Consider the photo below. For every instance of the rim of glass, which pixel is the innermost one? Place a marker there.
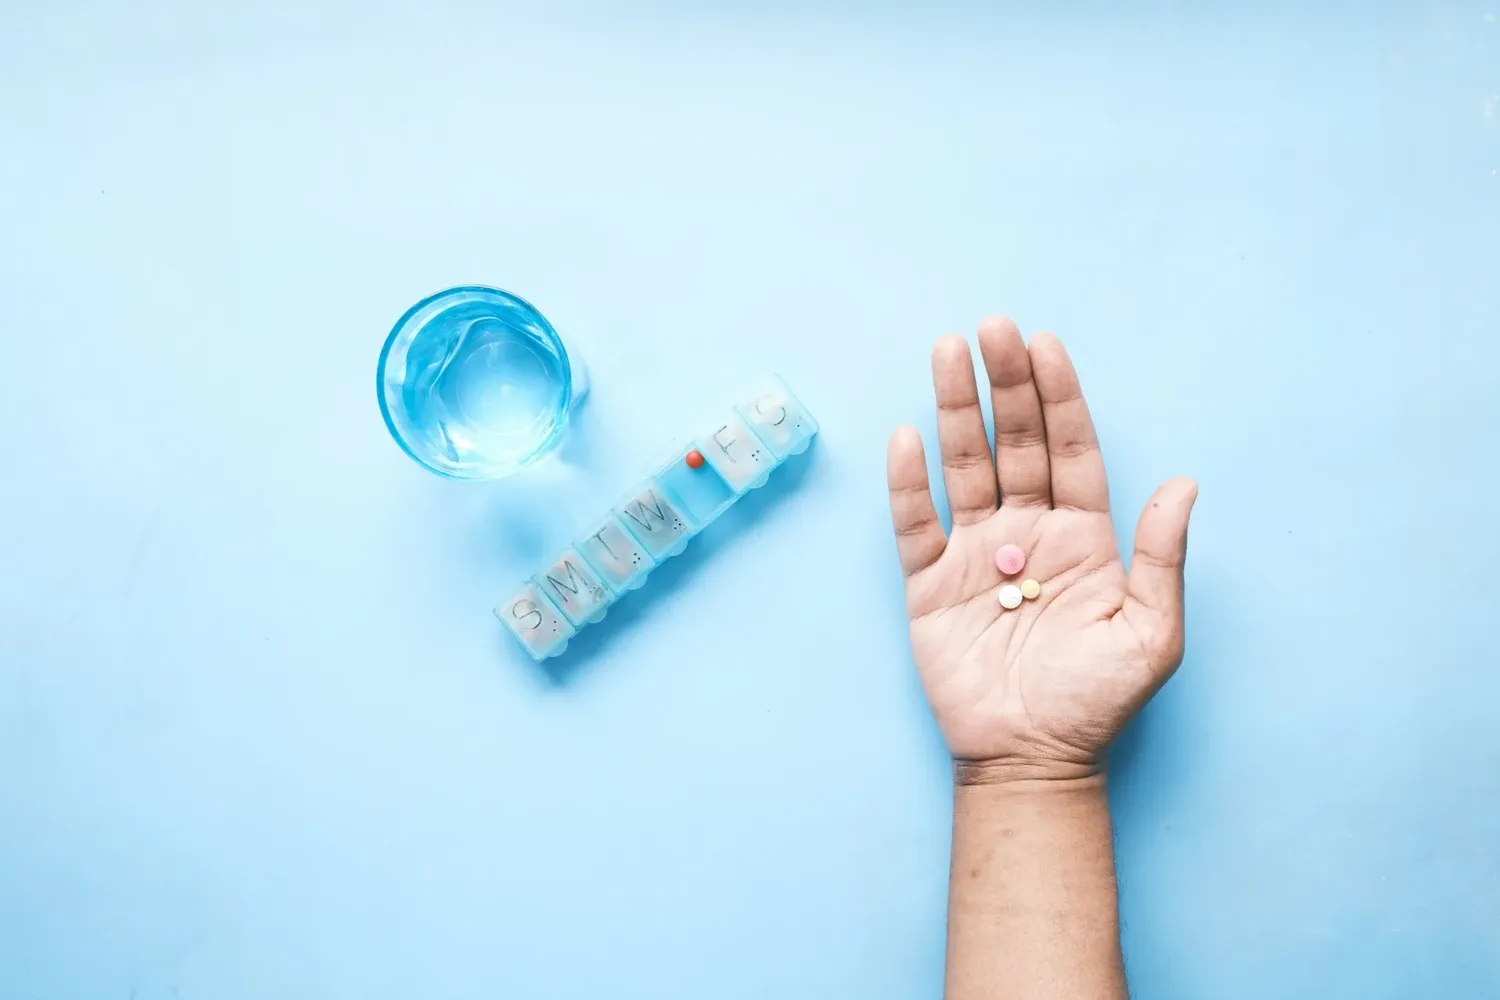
(409, 319)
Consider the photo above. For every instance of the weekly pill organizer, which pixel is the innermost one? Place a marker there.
(654, 521)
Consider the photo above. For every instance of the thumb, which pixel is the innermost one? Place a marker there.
(1153, 593)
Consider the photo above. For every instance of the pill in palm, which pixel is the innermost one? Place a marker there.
(1010, 596)
(1010, 559)
(1030, 589)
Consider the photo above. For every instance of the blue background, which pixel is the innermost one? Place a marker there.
(259, 733)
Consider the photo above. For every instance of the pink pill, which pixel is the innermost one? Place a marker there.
(1010, 559)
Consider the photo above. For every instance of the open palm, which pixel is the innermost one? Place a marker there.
(1040, 690)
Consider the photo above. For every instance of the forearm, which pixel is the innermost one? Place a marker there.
(1032, 908)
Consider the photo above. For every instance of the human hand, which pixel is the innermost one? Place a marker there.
(1039, 691)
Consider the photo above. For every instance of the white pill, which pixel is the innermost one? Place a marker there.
(1010, 596)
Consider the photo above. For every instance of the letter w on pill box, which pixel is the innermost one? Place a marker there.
(654, 521)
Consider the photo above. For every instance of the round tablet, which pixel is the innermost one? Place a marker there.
(1010, 559)
(1010, 596)
(1030, 589)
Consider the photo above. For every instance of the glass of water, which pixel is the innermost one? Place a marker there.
(475, 384)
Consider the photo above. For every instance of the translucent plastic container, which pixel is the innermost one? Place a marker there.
(696, 482)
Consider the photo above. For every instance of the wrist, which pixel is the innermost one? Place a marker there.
(1019, 772)
(1031, 798)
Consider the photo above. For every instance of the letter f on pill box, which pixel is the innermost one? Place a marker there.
(736, 452)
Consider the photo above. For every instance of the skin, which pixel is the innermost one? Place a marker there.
(1029, 700)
